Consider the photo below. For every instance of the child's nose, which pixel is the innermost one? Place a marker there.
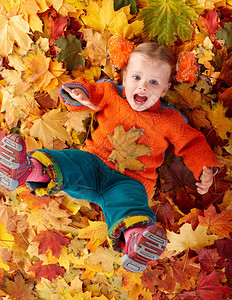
(143, 86)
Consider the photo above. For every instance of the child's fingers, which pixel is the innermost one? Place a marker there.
(68, 90)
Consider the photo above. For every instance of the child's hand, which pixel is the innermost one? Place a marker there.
(206, 181)
(81, 97)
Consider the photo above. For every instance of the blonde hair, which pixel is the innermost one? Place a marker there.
(154, 51)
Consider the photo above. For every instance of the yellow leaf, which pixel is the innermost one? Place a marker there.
(77, 4)
(13, 30)
(101, 17)
(35, 23)
(189, 239)
(91, 74)
(122, 27)
(6, 239)
(106, 257)
(50, 127)
(42, 5)
(126, 151)
(75, 120)
(3, 265)
(96, 232)
(217, 117)
(39, 71)
(208, 4)
(227, 201)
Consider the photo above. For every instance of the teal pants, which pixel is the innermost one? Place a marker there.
(85, 176)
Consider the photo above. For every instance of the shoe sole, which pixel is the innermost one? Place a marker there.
(146, 249)
(8, 161)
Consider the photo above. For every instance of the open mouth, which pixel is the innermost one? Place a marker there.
(140, 99)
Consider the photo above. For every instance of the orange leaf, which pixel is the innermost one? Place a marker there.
(33, 201)
(192, 218)
(51, 239)
(219, 224)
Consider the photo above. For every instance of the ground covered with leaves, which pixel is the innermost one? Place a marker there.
(57, 248)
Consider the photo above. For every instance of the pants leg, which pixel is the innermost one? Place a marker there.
(123, 200)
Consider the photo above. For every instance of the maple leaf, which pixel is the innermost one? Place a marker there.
(126, 150)
(209, 287)
(96, 48)
(19, 288)
(176, 175)
(51, 239)
(13, 30)
(57, 27)
(166, 18)
(211, 21)
(184, 270)
(50, 271)
(6, 239)
(219, 121)
(38, 71)
(220, 224)
(106, 257)
(225, 34)
(70, 52)
(184, 97)
(49, 127)
(189, 239)
(192, 218)
(96, 232)
(207, 258)
(76, 120)
(164, 212)
(103, 16)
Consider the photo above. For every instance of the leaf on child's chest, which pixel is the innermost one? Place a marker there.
(125, 149)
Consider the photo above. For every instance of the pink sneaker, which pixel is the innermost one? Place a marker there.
(144, 245)
(14, 163)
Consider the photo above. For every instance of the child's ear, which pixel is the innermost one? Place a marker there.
(123, 77)
(166, 89)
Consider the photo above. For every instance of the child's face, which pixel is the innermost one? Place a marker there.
(145, 81)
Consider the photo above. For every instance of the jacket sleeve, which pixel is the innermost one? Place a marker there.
(94, 91)
(191, 144)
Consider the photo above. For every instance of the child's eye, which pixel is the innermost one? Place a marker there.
(153, 82)
(136, 77)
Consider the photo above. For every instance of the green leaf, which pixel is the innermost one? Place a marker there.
(121, 3)
(166, 18)
(70, 52)
(225, 34)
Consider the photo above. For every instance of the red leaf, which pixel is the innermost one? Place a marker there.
(224, 248)
(57, 27)
(51, 239)
(164, 212)
(49, 272)
(209, 287)
(211, 21)
(207, 259)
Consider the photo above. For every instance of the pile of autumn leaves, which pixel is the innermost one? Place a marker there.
(57, 248)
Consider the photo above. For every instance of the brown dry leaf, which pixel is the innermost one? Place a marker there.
(126, 150)
(96, 48)
(20, 288)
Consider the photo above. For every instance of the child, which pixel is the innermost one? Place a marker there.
(90, 175)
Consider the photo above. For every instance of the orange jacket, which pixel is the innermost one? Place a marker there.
(160, 126)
